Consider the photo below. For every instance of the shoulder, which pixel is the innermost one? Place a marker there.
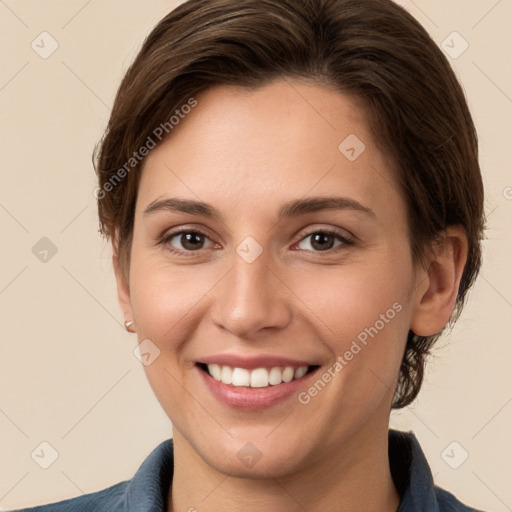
(110, 499)
(146, 490)
(449, 503)
(413, 478)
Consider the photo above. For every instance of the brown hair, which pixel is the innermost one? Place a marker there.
(371, 49)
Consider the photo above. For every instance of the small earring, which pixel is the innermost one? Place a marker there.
(129, 326)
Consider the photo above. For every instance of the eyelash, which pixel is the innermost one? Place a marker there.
(168, 237)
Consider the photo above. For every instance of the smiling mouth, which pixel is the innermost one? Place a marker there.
(257, 378)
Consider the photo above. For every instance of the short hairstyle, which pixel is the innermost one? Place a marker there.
(372, 50)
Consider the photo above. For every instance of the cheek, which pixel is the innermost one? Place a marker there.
(342, 302)
(362, 313)
(167, 305)
(349, 298)
(164, 296)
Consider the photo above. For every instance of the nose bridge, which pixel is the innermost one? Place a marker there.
(251, 296)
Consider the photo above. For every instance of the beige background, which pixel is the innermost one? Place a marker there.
(67, 372)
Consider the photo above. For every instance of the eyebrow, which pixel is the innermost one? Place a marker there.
(293, 208)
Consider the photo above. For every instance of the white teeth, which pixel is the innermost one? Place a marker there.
(287, 374)
(241, 377)
(226, 375)
(258, 378)
(215, 371)
(274, 376)
(300, 372)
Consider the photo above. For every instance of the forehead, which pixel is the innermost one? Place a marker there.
(286, 138)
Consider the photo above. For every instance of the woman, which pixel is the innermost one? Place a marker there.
(294, 199)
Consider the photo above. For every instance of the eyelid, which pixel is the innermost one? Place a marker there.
(176, 230)
(310, 230)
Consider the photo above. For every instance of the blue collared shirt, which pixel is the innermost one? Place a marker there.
(147, 491)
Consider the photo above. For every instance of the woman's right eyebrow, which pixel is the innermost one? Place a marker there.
(191, 206)
(292, 208)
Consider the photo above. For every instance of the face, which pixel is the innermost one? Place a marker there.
(297, 256)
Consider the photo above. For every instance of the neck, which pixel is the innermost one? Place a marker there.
(353, 477)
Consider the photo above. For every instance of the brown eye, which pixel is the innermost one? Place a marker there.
(181, 242)
(190, 241)
(323, 240)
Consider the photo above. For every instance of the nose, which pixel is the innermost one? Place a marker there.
(251, 297)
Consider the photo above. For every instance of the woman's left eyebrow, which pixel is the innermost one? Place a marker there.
(315, 204)
(290, 209)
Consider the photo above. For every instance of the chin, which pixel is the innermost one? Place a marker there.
(260, 459)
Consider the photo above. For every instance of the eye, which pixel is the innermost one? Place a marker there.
(323, 240)
(185, 241)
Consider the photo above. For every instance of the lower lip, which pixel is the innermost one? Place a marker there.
(243, 397)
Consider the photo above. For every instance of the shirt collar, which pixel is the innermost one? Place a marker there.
(411, 473)
(149, 487)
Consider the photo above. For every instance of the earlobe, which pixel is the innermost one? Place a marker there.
(123, 292)
(130, 326)
(438, 284)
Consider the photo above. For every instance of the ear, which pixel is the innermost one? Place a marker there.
(437, 285)
(123, 289)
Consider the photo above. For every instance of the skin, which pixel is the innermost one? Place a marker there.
(246, 153)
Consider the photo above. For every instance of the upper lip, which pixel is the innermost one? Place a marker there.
(251, 363)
